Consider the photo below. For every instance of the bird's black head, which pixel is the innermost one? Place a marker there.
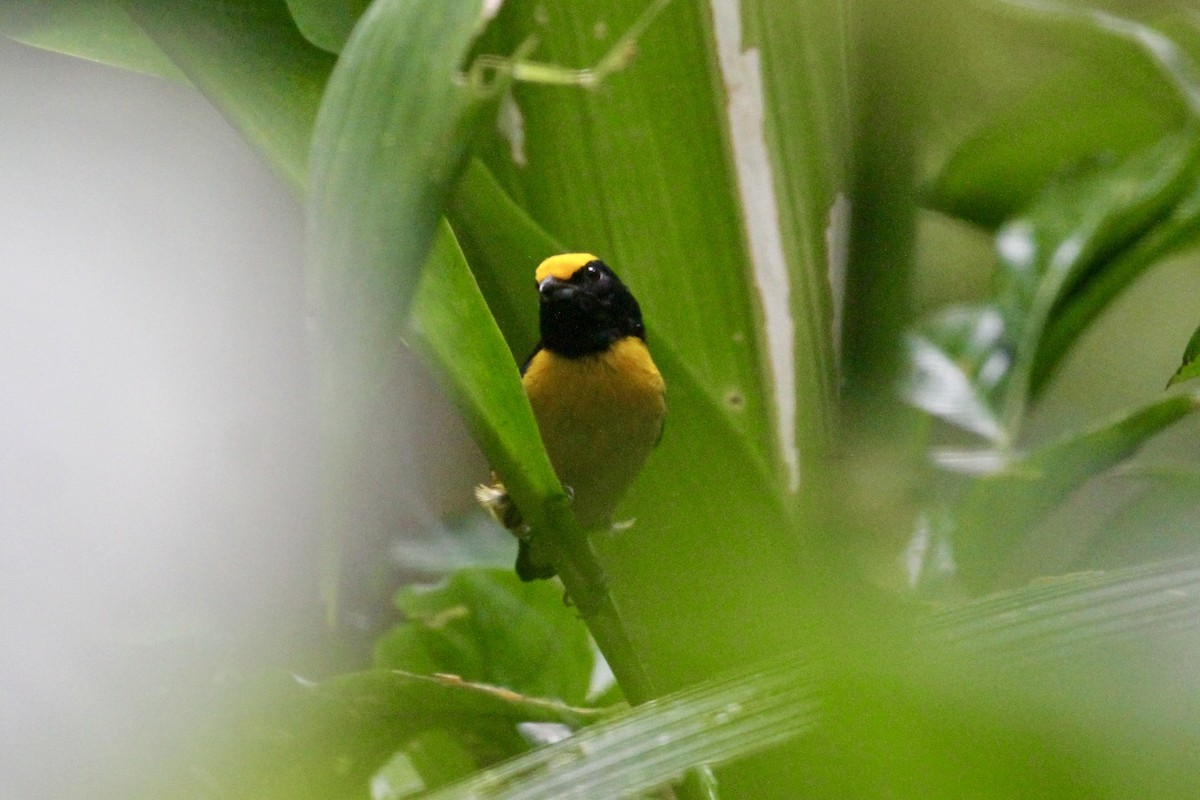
(584, 306)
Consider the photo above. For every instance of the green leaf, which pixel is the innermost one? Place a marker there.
(1004, 506)
(1190, 368)
(1055, 619)
(327, 23)
(713, 723)
(430, 759)
(1079, 114)
(1073, 116)
(1072, 230)
(392, 135)
(252, 64)
(285, 737)
(1155, 521)
(487, 626)
(1074, 312)
(454, 331)
(99, 31)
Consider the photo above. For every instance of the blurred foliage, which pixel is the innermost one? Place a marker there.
(799, 600)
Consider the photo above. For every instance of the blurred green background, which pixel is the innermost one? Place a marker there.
(819, 607)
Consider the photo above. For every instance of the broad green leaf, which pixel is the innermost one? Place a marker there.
(489, 627)
(290, 738)
(1069, 234)
(1004, 506)
(714, 519)
(1077, 115)
(1055, 618)
(252, 64)
(799, 52)
(503, 246)
(100, 31)
(1074, 312)
(1190, 368)
(715, 722)
(327, 23)
(996, 172)
(392, 134)
(1157, 519)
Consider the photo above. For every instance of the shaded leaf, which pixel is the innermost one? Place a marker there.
(455, 332)
(1054, 619)
(638, 173)
(100, 31)
(454, 543)
(1076, 310)
(285, 737)
(327, 23)
(1154, 517)
(252, 64)
(1073, 229)
(1190, 368)
(452, 327)
(1077, 115)
(998, 170)
(1003, 507)
(489, 627)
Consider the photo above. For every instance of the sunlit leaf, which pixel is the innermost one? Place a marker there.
(489, 627)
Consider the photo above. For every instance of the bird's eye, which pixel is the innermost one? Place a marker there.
(592, 272)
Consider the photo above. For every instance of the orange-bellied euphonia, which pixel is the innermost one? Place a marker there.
(598, 398)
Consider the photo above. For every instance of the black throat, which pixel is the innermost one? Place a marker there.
(585, 315)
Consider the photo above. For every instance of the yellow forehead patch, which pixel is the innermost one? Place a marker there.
(562, 266)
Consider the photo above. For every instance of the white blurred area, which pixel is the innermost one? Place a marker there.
(157, 480)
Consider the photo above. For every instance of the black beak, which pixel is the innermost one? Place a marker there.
(552, 288)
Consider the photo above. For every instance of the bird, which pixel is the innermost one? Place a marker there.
(596, 393)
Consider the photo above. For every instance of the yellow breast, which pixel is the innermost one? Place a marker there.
(600, 416)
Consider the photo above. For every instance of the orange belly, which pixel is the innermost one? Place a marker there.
(600, 416)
